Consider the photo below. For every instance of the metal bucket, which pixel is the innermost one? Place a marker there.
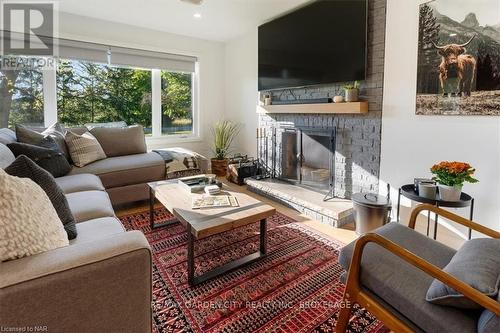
(371, 211)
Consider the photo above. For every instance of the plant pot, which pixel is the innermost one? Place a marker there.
(219, 167)
(450, 193)
(351, 95)
(427, 191)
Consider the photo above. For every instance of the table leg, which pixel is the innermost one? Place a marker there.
(263, 236)
(471, 216)
(230, 266)
(190, 254)
(151, 208)
(436, 223)
(399, 202)
(428, 222)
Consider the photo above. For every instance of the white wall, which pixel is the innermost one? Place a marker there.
(241, 89)
(412, 144)
(210, 55)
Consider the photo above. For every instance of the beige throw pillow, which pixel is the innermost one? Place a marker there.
(84, 149)
(28, 222)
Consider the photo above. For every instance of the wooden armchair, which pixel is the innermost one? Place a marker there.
(355, 293)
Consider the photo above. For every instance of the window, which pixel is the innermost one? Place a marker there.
(89, 92)
(21, 97)
(177, 103)
(95, 83)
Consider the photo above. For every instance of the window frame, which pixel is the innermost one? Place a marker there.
(51, 114)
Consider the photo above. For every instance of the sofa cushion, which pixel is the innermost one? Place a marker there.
(126, 170)
(6, 156)
(96, 229)
(24, 167)
(84, 149)
(28, 222)
(49, 159)
(79, 183)
(475, 263)
(121, 141)
(403, 285)
(7, 136)
(90, 205)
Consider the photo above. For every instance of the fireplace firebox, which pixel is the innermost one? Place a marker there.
(306, 157)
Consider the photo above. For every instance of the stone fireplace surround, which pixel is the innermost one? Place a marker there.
(358, 137)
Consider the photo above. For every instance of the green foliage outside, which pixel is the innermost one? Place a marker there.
(90, 92)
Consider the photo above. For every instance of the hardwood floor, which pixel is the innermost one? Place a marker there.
(344, 235)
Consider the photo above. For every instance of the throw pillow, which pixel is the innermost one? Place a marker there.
(6, 156)
(49, 159)
(476, 263)
(120, 141)
(488, 321)
(23, 167)
(28, 221)
(56, 132)
(84, 149)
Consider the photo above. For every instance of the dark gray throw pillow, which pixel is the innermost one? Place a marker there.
(24, 167)
(476, 263)
(49, 159)
(56, 132)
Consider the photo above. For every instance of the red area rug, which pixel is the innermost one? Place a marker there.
(295, 288)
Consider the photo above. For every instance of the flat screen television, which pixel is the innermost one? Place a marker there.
(323, 42)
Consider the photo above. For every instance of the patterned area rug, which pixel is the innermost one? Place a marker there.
(295, 288)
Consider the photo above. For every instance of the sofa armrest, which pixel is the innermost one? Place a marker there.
(99, 286)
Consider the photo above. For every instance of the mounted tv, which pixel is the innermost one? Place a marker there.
(323, 42)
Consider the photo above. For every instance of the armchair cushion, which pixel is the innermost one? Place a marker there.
(489, 322)
(404, 286)
(477, 264)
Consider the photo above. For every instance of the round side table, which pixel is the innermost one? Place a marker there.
(408, 191)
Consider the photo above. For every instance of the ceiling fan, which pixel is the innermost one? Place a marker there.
(194, 2)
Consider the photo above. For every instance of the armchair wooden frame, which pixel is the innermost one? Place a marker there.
(355, 294)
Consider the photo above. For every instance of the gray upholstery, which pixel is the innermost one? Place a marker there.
(6, 156)
(489, 322)
(121, 141)
(80, 183)
(476, 263)
(90, 205)
(405, 286)
(96, 229)
(7, 136)
(126, 170)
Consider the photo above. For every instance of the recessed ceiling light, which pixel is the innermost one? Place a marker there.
(197, 15)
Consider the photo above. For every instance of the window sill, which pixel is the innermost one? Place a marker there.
(171, 139)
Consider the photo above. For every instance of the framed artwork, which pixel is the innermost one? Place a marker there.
(458, 71)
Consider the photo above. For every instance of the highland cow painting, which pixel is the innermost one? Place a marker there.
(459, 58)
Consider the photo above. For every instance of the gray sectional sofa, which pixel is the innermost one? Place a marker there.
(103, 266)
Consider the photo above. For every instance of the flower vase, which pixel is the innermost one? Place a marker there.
(450, 193)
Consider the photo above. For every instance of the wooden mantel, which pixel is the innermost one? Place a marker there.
(325, 108)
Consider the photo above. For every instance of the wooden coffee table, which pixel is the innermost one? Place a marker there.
(201, 223)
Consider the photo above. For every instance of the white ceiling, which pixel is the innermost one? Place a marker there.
(221, 20)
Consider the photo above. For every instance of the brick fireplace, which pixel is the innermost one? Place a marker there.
(356, 158)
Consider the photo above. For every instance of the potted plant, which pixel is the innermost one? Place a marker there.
(351, 91)
(224, 133)
(450, 177)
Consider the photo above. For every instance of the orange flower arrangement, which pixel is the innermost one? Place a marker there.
(453, 173)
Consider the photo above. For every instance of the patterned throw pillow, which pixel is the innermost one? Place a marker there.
(56, 132)
(24, 167)
(28, 221)
(84, 149)
(50, 159)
